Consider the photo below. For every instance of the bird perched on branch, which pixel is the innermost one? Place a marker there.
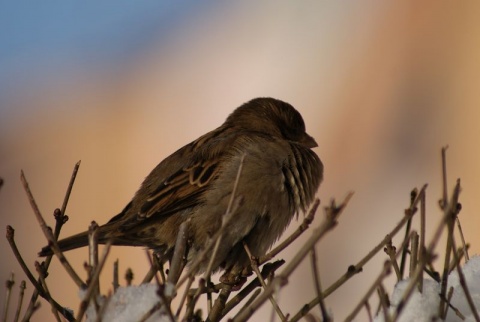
(279, 177)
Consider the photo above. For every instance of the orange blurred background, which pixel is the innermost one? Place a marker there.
(382, 86)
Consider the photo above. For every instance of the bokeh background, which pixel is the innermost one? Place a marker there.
(120, 85)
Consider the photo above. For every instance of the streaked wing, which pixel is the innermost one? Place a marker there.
(182, 189)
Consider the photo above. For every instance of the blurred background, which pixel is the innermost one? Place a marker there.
(120, 85)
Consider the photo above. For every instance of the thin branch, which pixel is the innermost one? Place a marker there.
(248, 302)
(38, 287)
(369, 311)
(69, 191)
(463, 283)
(23, 286)
(93, 281)
(387, 267)
(115, 282)
(447, 301)
(154, 268)
(267, 270)
(150, 312)
(178, 259)
(450, 211)
(357, 268)
(217, 309)
(11, 240)
(384, 273)
(414, 254)
(49, 235)
(32, 309)
(318, 286)
(383, 299)
(60, 220)
(192, 300)
(184, 297)
(428, 255)
(423, 224)
(93, 254)
(459, 257)
(392, 253)
(41, 273)
(413, 196)
(255, 268)
(8, 292)
(464, 244)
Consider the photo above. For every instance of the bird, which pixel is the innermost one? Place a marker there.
(264, 142)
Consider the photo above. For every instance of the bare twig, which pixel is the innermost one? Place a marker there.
(414, 254)
(253, 263)
(444, 176)
(423, 224)
(192, 300)
(20, 300)
(357, 268)
(249, 301)
(154, 268)
(32, 309)
(93, 254)
(392, 253)
(49, 235)
(41, 273)
(38, 287)
(179, 255)
(11, 240)
(219, 305)
(184, 296)
(60, 220)
(115, 282)
(369, 311)
(428, 255)
(267, 270)
(464, 244)
(383, 299)
(450, 211)
(413, 196)
(460, 254)
(69, 191)
(8, 292)
(447, 301)
(384, 273)
(318, 286)
(463, 283)
(93, 281)
(150, 312)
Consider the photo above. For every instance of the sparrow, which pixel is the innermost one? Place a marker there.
(280, 174)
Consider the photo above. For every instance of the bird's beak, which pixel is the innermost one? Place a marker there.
(308, 141)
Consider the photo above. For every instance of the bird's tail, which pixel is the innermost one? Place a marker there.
(72, 242)
(76, 241)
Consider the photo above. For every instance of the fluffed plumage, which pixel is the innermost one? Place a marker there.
(279, 179)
